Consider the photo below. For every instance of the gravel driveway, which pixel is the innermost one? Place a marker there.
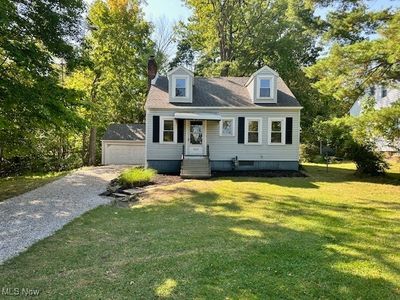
(30, 217)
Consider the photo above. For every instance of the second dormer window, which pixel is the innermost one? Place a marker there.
(180, 87)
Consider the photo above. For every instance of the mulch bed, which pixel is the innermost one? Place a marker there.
(260, 173)
(166, 179)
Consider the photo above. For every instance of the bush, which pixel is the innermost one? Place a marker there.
(135, 177)
(367, 160)
(341, 134)
(308, 152)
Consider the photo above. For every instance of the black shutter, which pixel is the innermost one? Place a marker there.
(289, 130)
(241, 130)
(180, 130)
(156, 129)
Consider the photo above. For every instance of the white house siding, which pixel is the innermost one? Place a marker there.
(393, 95)
(224, 148)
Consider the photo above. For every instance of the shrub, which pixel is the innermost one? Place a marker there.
(135, 177)
(341, 134)
(308, 152)
(367, 160)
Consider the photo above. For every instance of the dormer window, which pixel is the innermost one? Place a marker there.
(180, 87)
(264, 87)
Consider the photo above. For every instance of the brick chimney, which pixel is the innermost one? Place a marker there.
(151, 70)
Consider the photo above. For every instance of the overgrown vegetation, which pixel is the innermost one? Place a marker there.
(135, 177)
(341, 135)
(317, 237)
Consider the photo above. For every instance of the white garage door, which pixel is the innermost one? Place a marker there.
(123, 153)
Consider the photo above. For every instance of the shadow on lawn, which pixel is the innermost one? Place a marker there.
(317, 174)
(201, 245)
(261, 257)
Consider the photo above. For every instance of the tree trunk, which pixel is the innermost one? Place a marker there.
(84, 153)
(92, 146)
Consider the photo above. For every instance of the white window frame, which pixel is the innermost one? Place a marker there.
(162, 119)
(186, 78)
(283, 131)
(272, 86)
(246, 131)
(233, 127)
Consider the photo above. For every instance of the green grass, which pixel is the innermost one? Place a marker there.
(137, 176)
(14, 186)
(330, 236)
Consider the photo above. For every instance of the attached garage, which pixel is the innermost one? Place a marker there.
(124, 144)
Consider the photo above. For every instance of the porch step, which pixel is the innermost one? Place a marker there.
(196, 168)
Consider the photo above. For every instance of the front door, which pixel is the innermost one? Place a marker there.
(195, 137)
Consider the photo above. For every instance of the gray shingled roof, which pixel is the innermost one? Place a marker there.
(132, 132)
(217, 92)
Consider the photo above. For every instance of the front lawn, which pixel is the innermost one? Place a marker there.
(330, 235)
(14, 186)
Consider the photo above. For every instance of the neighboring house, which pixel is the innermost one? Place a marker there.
(196, 125)
(384, 97)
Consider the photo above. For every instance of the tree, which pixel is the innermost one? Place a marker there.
(33, 36)
(341, 134)
(184, 55)
(351, 68)
(236, 38)
(382, 124)
(112, 77)
(164, 40)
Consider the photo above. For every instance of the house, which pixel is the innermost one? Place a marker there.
(196, 125)
(384, 97)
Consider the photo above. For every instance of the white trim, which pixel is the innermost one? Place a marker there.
(283, 131)
(146, 140)
(102, 152)
(233, 127)
(271, 88)
(175, 131)
(265, 68)
(124, 141)
(225, 107)
(182, 98)
(246, 130)
(180, 68)
(198, 116)
(187, 136)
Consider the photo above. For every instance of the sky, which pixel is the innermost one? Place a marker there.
(174, 10)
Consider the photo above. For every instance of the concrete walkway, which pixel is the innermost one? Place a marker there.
(30, 217)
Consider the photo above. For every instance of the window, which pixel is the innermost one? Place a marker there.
(253, 131)
(180, 87)
(371, 91)
(168, 130)
(384, 92)
(276, 131)
(227, 127)
(265, 87)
